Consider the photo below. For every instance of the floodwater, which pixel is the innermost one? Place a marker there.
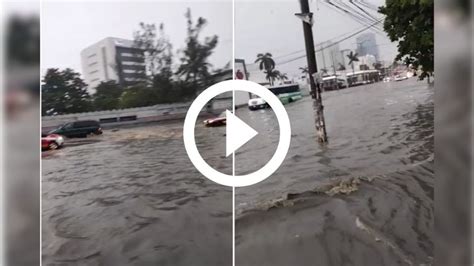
(365, 198)
(132, 197)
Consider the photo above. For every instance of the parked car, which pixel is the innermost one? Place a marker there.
(51, 141)
(78, 129)
(215, 122)
(257, 103)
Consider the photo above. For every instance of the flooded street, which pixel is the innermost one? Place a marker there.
(132, 196)
(365, 198)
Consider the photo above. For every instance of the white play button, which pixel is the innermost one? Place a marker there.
(237, 133)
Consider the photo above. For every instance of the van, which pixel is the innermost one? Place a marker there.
(78, 129)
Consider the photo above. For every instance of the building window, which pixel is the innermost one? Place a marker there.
(128, 63)
(92, 55)
(132, 55)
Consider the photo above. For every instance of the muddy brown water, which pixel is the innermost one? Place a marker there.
(381, 143)
(132, 197)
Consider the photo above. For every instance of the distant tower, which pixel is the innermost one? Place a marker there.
(367, 45)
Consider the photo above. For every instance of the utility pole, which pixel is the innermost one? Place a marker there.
(318, 108)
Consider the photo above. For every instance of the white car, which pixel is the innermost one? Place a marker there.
(387, 79)
(400, 78)
(257, 103)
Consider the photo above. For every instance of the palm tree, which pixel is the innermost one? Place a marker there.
(341, 67)
(282, 76)
(271, 75)
(324, 71)
(352, 58)
(265, 61)
(304, 70)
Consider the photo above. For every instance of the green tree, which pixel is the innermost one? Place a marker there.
(138, 96)
(64, 92)
(304, 70)
(353, 57)
(265, 61)
(341, 67)
(157, 49)
(411, 24)
(271, 75)
(107, 96)
(195, 67)
(283, 76)
(159, 58)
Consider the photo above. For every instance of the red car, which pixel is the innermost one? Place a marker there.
(215, 122)
(51, 142)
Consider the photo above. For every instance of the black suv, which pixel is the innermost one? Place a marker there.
(78, 129)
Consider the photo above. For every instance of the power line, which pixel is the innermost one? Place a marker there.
(368, 5)
(332, 44)
(331, 39)
(363, 10)
(361, 20)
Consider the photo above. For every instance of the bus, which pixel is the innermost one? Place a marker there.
(333, 83)
(287, 93)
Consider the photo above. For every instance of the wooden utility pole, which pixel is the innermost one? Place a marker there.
(318, 108)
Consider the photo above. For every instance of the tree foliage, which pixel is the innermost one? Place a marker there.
(138, 96)
(157, 47)
(353, 57)
(64, 92)
(107, 96)
(410, 22)
(265, 61)
(304, 70)
(283, 76)
(194, 66)
(341, 67)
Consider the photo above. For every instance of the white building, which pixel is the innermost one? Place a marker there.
(113, 59)
(368, 60)
(328, 56)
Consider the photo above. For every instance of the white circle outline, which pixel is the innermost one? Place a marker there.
(239, 180)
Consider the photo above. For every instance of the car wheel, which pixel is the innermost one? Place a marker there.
(53, 146)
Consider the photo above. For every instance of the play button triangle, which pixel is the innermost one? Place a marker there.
(237, 133)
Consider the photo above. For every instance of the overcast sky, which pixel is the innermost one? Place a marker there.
(260, 26)
(68, 27)
(264, 26)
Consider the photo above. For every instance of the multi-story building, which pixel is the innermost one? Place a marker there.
(113, 59)
(367, 45)
(328, 56)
